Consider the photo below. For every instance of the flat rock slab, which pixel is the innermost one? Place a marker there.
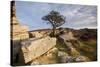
(36, 48)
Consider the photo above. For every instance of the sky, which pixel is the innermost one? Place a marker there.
(77, 16)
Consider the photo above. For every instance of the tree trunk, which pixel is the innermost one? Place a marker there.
(54, 28)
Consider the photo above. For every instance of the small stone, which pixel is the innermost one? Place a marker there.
(81, 59)
(35, 63)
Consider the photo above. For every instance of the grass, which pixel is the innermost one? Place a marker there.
(89, 49)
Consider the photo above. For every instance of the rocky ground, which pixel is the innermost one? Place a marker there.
(69, 48)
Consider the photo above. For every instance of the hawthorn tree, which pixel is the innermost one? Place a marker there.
(55, 19)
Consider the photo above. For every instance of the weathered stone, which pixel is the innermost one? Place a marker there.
(62, 56)
(35, 63)
(61, 53)
(69, 59)
(37, 48)
(36, 34)
(49, 57)
(52, 52)
(82, 59)
(18, 33)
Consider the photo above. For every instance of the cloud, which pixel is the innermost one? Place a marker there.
(30, 13)
(82, 16)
